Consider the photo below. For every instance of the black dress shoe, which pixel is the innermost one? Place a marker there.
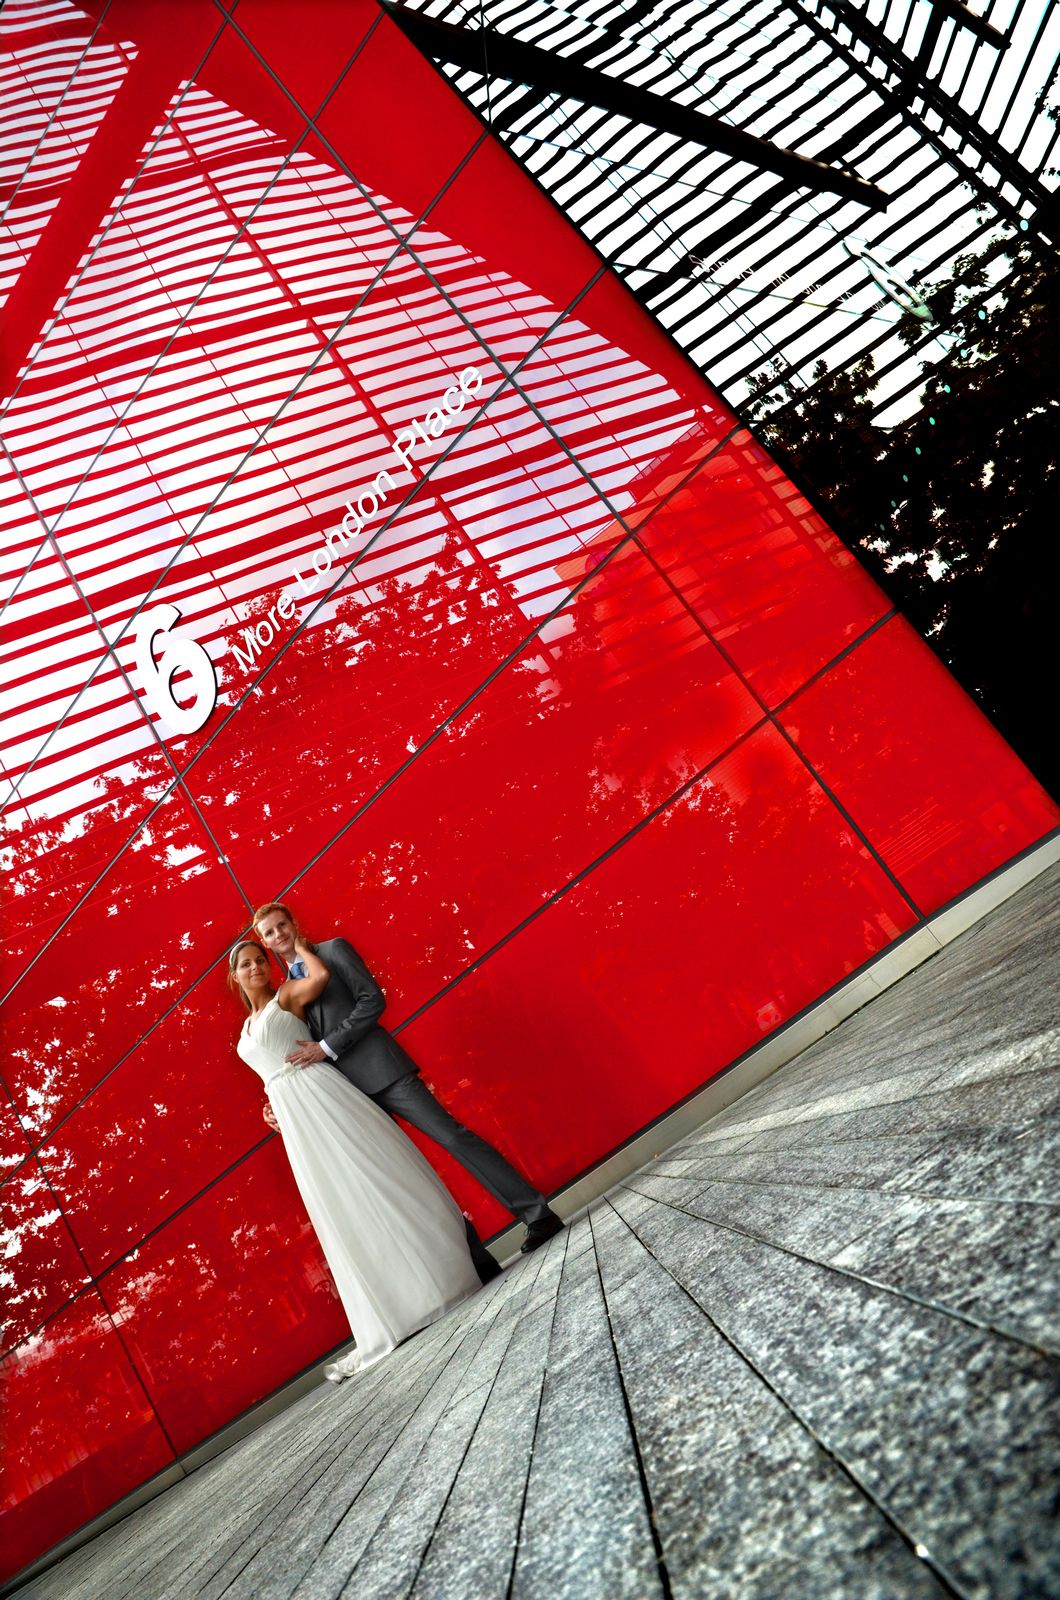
(488, 1270)
(537, 1233)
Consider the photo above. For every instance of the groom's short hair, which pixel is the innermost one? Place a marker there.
(275, 905)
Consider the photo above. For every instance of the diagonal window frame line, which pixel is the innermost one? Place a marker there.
(772, 715)
(588, 578)
(458, 711)
(181, 326)
(325, 351)
(565, 448)
(67, 87)
(296, 633)
(179, 786)
(675, 797)
(407, 237)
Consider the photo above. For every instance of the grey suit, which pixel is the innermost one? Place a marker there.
(345, 1017)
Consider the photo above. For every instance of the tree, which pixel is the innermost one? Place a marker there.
(954, 509)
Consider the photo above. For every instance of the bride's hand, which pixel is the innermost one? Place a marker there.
(270, 1117)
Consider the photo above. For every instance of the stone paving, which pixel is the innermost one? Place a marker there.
(810, 1352)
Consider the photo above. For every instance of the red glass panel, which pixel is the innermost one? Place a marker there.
(40, 1268)
(327, 36)
(245, 1258)
(63, 85)
(162, 913)
(396, 124)
(79, 1431)
(64, 706)
(14, 1146)
(936, 789)
(611, 311)
(708, 929)
(133, 106)
(445, 595)
(611, 391)
(556, 759)
(178, 1110)
(72, 795)
(772, 583)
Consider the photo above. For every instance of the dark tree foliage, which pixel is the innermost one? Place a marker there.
(970, 479)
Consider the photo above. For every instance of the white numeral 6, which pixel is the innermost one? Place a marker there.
(155, 631)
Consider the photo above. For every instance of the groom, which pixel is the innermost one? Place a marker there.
(344, 1022)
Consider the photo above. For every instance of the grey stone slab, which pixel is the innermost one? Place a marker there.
(983, 1103)
(1007, 1164)
(863, 1086)
(340, 1511)
(321, 1552)
(711, 1141)
(585, 1532)
(278, 1468)
(858, 1164)
(1001, 1264)
(286, 1475)
(998, 1264)
(362, 1418)
(952, 1430)
(746, 1502)
(818, 1222)
(472, 1548)
(388, 1563)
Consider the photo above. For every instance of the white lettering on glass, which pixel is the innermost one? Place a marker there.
(161, 653)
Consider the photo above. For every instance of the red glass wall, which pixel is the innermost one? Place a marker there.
(593, 738)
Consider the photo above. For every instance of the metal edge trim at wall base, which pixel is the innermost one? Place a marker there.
(888, 968)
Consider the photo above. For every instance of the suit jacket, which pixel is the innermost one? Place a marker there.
(345, 1016)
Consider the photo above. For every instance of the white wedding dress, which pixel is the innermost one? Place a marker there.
(392, 1234)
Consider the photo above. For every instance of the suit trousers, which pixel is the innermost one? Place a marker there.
(409, 1098)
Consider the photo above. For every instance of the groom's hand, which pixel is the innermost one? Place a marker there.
(303, 1055)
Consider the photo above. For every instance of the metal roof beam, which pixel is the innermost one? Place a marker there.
(510, 58)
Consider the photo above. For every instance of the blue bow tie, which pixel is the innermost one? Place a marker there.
(297, 969)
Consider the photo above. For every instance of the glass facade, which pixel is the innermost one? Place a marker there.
(536, 678)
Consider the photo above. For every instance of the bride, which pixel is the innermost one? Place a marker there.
(391, 1232)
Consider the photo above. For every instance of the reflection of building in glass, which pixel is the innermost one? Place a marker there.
(590, 734)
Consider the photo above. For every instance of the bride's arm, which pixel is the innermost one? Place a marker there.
(296, 993)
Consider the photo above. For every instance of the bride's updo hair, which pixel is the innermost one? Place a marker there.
(233, 956)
